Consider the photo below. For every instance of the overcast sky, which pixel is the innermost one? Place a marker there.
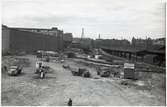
(110, 18)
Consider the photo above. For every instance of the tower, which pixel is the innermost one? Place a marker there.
(82, 34)
(99, 36)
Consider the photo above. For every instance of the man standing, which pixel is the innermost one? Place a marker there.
(70, 102)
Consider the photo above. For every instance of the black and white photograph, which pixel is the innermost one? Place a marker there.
(83, 53)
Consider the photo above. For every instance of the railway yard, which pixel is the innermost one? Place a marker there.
(60, 84)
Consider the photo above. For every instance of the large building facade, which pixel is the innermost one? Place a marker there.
(31, 39)
(148, 43)
(112, 43)
(5, 39)
(68, 38)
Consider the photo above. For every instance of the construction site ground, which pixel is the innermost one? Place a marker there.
(60, 85)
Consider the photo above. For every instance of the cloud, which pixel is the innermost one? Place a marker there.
(96, 16)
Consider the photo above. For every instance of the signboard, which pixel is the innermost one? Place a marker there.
(129, 65)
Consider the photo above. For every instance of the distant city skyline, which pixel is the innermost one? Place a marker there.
(110, 19)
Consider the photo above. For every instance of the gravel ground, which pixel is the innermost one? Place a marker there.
(59, 85)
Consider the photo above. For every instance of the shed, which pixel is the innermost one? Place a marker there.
(129, 71)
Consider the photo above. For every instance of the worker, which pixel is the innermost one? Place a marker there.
(70, 102)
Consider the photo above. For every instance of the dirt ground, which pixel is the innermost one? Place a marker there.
(59, 85)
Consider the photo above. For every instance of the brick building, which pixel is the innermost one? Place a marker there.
(112, 43)
(31, 39)
(68, 38)
(159, 41)
(141, 43)
(5, 39)
(148, 43)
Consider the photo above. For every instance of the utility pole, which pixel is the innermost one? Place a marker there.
(98, 45)
(146, 43)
